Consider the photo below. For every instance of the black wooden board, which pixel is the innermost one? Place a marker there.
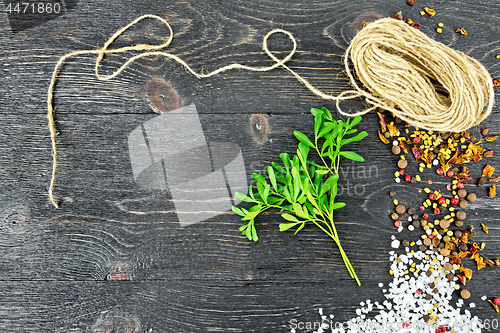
(113, 257)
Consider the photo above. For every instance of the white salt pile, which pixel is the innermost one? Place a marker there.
(418, 300)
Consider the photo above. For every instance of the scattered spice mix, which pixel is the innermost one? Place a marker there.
(448, 152)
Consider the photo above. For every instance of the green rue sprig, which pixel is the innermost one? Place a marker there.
(305, 191)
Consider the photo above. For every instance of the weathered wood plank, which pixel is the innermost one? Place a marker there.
(187, 306)
(205, 276)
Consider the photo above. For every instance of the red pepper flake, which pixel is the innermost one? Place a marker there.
(416, 139)
(496, 83)
(393, 130)
(460, 185)
(398, 224)
(430, 12)
(382, 138)
(399, 16)
(494, 305)
(432, 196)
(417, 26)
(462, 31)
(419, 291)
(416, 152)
(488, 153)
(490, 138)
(492, 192)
(462, 279)
(381, 118)
(488, 171)
(440, 171)
(454, 158)
(401, 172)
(425, 216)
(441, 201)
(411, 2)
(495, 180)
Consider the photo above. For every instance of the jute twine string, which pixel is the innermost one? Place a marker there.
(421, 81)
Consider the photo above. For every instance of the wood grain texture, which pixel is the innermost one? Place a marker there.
(114, 255)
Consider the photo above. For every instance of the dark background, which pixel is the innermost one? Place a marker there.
(59, 268)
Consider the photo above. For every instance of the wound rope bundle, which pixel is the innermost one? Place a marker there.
(421, 81)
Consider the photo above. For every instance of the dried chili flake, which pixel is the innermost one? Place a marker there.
(399, 16)
(403, 147)
(492, 192)
(485, 228)
(430, 12)
(468, 273)
(381, 118)
(480, 263)
(496, 83)
(382, 138)
(393, 130)
(488, 171)
(462, 31)
(491, 138)
(488, 153)
(416, 152)
(485, 131)
(494, 305)
(489, 262)
(476, 157)
(462, 279)
(454, 157)
(495, 180)
(411, 2)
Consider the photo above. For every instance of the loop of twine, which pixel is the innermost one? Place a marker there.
(420, 80)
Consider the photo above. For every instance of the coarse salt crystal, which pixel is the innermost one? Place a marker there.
(395, 244)
(381, 285)
(484, 297)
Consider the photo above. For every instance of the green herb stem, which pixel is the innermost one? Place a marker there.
(306, 196)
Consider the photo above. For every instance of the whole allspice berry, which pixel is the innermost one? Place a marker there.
(402, 164)
(461, 215)
(462, 193)
(463, 203)
(471, 197)
(396, 150)
(465, 294)
(400, 209)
